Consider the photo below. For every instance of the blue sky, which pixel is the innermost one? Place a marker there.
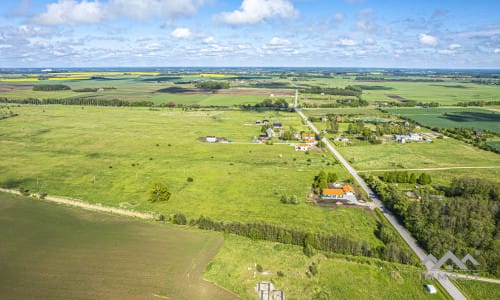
(324, 33)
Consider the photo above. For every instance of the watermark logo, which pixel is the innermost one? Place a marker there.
(460, 263)
(434, 265)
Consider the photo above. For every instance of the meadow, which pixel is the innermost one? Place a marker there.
(337, 277)
(477, 290)
(51, 251)
(437, 117)
(111, 156)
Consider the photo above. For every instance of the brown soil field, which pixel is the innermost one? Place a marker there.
(15, 87)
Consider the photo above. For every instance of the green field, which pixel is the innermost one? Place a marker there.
(477, 290)
(50, 251)
(444, 93)
(337, 278)
(111, 156)
(441, 153)
(452, 117)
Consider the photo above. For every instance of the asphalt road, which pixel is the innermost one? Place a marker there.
(440, 276)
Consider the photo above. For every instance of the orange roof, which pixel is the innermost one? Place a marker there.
(348, 188)
(332, 192)
(302, 145)
(308, 135)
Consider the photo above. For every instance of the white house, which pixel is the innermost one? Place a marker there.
(211, 139)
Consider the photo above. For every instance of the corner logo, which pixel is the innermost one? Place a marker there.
(437, 264)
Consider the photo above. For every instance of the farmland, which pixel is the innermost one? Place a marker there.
(54, 252)
(475, 290)
(338, 277)
(452, 117)
(111, 156)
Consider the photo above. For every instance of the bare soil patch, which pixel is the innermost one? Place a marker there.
(15, 87)
(251, 92)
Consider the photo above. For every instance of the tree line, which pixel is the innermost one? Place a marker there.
(212, 85)
(465, 221)
(50, 87)
(349, 90)
(406, 177)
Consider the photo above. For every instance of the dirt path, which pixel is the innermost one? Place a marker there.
(430, 169)
(88, 206)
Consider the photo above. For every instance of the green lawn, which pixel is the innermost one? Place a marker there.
(477, 290)
(111, 156)
(337, 278)
(49, 251)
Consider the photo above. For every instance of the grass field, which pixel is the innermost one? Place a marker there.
(444, 93)
(452, 117)
(476, 290)
(111, 156)
(337, 277)
(441, 153)
(50, 251)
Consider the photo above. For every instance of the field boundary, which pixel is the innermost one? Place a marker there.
(87, 206)
(430, 169)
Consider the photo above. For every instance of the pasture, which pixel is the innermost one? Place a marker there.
(111, 155)
(338, 277)
(476, 118)
(54, 252)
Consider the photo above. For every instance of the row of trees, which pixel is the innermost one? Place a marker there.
(478, 103)
(279, 103)
(50, 87)
(78, 101)
(212, 85)
(406, 177)
(466, 221)
(335, 243)
(349, 90)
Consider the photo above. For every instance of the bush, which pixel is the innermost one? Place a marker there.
(179, 219)
(190, 179)
(313, 269)
(280, 274)
(259, 268)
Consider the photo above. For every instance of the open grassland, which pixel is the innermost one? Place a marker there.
(111, 156)
(452, 117)
(477, 290)
(337, 277)
(441, 153)
(55, 252)
(444, 93)
(361, 111)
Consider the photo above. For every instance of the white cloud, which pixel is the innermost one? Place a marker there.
(209, 40)
(429, 40)
(182, 33)
(70, 12)
(279, 42)
(339, 17)
(496, 51)
(454, 46)
(347, 42)
(446, 52)
(256, 11)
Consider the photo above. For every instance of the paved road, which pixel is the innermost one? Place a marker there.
(443, 280)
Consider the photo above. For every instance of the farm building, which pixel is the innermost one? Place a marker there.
(302, 147)
(412, 137)
(211, 139)
(346, 192)
(308, 136)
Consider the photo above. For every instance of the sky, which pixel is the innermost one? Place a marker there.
(260, 33)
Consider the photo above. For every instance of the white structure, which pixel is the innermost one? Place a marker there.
(431, 289)
(211, 139)
(270, 133)
(302, 147)
(412, 137)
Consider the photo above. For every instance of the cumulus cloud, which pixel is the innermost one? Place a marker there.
(347, 42)
(446, 52)
(428, 40)
(454, 46)
(496, 51)
(339, 17)
(209, 40)
(70, 12)
(279, 42)
(257, 11)
(182, 33)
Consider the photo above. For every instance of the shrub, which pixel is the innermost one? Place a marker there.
(179, 219)
(259, 268)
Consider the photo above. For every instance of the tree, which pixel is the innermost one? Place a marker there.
(333, 126)
(332, 177)
(424, 179)
(158, 192)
